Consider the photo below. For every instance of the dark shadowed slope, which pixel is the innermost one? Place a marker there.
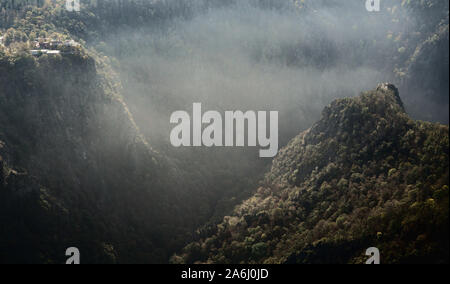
(77, 172)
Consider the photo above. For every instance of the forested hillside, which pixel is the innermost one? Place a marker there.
(364, 176)
(85, 101)
(77, 170)
(71, 150)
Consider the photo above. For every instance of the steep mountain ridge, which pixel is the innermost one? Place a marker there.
(72, 152)
(77, 171)
(365, 175)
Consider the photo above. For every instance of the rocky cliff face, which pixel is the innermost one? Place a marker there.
(364, 175)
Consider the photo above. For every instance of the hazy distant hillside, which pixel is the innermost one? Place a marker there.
(364, 176)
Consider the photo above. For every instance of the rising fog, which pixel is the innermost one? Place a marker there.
(294, 57)
(257, 55)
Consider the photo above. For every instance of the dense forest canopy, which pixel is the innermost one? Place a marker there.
(84, 148)
(341, 187)
(316, 33)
